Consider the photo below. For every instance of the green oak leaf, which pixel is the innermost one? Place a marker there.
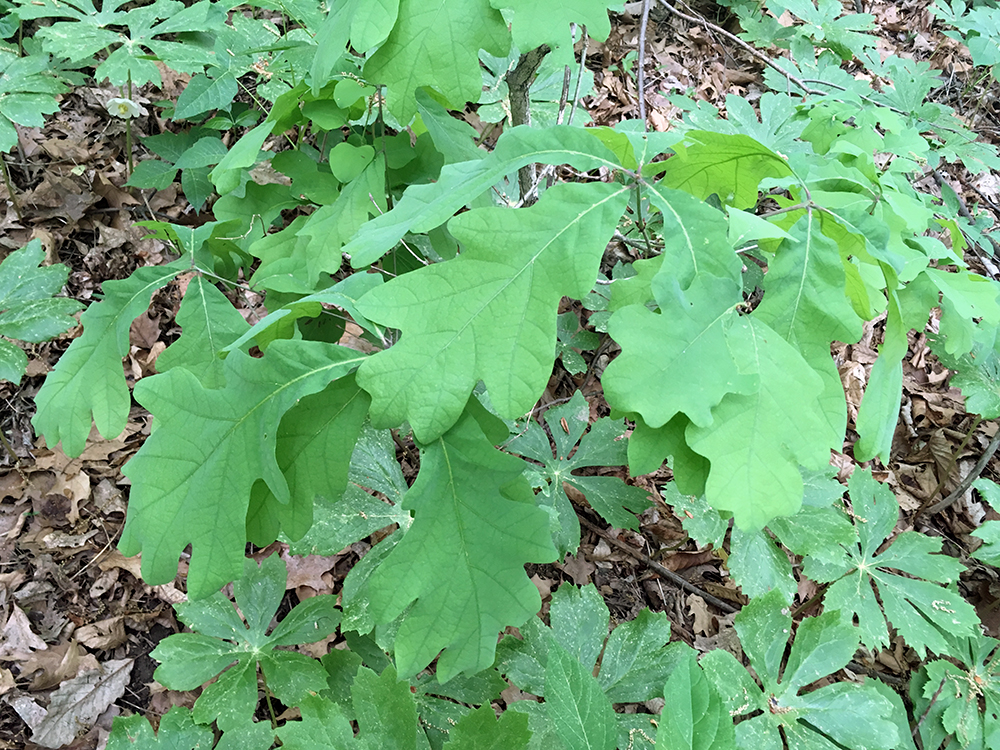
(649, 447)
(224, 642)
(424, 207)
(28, 311)
(88, 380)
(730, 166)
(474, 516)
(805, 300)
(604, 445)
(191, 479)
(436, 44)
(664, 369)
(757, 442)
(209, 323)
(921, 605)
(695, 239)
(468, 318)
(537, 23)
(315, 441)
(851, 715)
(177, 732)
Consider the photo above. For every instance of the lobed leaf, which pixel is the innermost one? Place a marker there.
(197, 491)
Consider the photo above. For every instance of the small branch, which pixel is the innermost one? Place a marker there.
(663, 571)
(518, 84)
(736, 40)
(971, 477)
(579, 75)
(641, 75)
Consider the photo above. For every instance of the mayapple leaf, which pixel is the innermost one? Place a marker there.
(604, 445)
(424, 207)
(976, 373)
(663, 368)
(209, 323)
(385, 710)
(757, 442)
(323, 727)
(28, 311)
(222, 640)
(177, 732)
(919, 605)
(490, 313)
(536, 24)
(475, 517)
(577, 707)
(636, 656)
(480, 730)
(88, 380)
(852, 715)
(191, 479)
(730, 166)
(697, 719)
(436, 44)
(949, 697)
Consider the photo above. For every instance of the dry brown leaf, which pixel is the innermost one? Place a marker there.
(702, 617)
(103, 635)
(18, 640)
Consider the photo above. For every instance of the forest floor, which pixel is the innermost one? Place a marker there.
(69, 600)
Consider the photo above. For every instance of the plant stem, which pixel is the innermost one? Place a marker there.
(10, 189)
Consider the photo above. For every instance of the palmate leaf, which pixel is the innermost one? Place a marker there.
(88, 380)
(221, 637)
(436, 44)
(604, 445)
(191, 479)
(177, 732)
(697, 718)
(950, 697)
(28, 311)
(852, 715)
(490, 313)
(474, 517)
(757, 442)
(921, 611)
(557, 662)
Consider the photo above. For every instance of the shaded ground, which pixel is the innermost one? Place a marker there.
(69, 600)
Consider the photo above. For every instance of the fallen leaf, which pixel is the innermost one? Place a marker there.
(77, 703)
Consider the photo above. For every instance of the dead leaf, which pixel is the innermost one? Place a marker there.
(17, 640)
(78, 702)
(702, 617)
(103, 635)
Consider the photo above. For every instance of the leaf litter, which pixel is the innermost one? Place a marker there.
(77, 624)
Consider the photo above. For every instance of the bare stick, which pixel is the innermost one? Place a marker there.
(641, 77)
